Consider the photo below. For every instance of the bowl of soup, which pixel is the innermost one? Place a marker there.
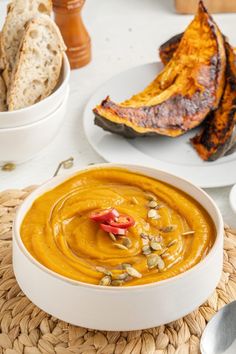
(117, 247)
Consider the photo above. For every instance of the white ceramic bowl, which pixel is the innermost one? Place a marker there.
(120, 308)
(41, 109)
(20, 144)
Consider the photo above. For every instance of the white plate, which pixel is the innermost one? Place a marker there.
(232, 198)
(172, 155)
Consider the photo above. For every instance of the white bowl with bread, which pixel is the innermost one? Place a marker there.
(56, 242)
(21, 144)
(41, 109)
(34, 79)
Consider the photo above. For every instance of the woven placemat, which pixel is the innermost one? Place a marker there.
(24, 328)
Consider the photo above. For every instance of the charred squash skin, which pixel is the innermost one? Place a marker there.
(179, 99)
(167, 49)
(217, 135)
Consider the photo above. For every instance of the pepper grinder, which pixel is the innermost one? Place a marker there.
(68, 18)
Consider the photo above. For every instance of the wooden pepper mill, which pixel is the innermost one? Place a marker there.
(76, 37)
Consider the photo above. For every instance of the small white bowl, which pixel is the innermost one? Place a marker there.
(119, 308)
(232, 198)
(20, 144)
(41, 109)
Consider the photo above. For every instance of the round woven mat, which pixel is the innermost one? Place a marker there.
(24, 328)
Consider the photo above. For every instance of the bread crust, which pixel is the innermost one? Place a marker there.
(38, 64)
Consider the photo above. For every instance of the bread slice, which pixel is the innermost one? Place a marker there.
(1, 59)
(3, 95)
(38, 64)
(18, 14)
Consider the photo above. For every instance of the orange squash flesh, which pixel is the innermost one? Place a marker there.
(218, 133)
(182, 95)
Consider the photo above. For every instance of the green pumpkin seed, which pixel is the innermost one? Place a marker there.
(169, 228)
(133, 272)
(126, 242)
(105, 281)
(155, 245)
(152, 214)
(144, 236)
(152, 204)
(152, 261)
(122, 276)
(146, 250)
(117, 282)
(160, 264)
(151, 196)
(112, 236)
(121, 247)
(8, 167)
(126, 265)
(103, 270)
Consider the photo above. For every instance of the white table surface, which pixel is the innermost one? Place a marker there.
(124, 33)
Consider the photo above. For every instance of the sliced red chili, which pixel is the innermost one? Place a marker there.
(122, 221)
(114, 230)
(104, 215)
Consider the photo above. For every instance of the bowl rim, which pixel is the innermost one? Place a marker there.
(55, 181)
(42, 120)
(66, 71)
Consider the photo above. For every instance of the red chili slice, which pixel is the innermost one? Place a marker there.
(104, 215)
(113, 229)
(123, 221)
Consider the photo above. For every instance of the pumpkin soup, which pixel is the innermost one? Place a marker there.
(113, 227)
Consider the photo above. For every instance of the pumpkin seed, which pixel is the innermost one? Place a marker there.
(126, 265)
(105, 281)
(151, 196)
(120, 246)
(152, 261)
(160, 263)
(117, 282)
(133, 272)
(103, 270)
(152, 204)
(155, 245)
(188, 233)
(146, 250)
(127, 242)
(8, 167)
(112, 236)
(122, 276)
(152, 214)
(169, 228)
(146, 227)
(155, 238)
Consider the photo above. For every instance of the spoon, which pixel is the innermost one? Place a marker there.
(219, 336)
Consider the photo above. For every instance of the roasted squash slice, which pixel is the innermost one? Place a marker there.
(181, 96)
(218, 133)
(167, 49)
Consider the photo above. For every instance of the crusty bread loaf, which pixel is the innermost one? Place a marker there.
(1, 59)
(38, 63)
(3, 94)
(19, 13)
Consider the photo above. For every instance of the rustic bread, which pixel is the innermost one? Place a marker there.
(3, 94)
(38, 64)
(1, 60)
(19, 13)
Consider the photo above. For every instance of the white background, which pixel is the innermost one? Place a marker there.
(124, 33)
